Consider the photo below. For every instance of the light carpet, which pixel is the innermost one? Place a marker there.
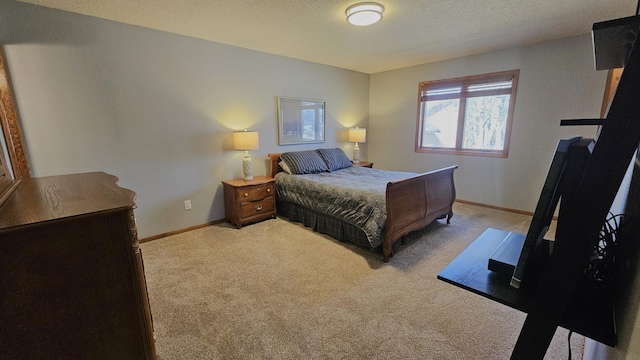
(277, 290)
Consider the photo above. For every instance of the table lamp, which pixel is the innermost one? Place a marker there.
(357, 135)
(245, 141)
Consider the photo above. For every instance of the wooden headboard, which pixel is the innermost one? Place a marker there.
(274, 168)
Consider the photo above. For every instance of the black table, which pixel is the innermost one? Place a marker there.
(590, 313)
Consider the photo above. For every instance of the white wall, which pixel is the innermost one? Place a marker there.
(557, 81)
(156, 109)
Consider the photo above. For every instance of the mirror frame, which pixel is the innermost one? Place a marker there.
(10, 124)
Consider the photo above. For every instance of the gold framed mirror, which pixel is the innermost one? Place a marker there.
(11, 129)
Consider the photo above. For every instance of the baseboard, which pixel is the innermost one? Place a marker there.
(175, 232)
(555, 217)
(495, 207)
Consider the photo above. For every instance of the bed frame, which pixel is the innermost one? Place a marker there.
(412, 203)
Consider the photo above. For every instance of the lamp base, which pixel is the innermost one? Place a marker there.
(246, 167)
(356, 154)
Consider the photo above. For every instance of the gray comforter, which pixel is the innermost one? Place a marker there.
(355, 195)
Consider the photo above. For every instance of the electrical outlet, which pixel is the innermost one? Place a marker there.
(187, 204)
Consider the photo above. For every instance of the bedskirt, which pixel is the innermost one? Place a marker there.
(324, 224)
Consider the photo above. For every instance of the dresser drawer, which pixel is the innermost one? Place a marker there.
(258, 207)
(256, 192)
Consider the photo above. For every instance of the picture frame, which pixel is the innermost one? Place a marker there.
(300, 121)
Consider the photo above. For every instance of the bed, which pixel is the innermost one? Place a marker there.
(369, 207)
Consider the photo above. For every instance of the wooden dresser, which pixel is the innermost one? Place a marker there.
(248, 201)
(72, 282)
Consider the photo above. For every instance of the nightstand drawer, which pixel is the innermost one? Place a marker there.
(256, 192)
(249, 209)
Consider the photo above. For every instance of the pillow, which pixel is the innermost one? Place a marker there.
(304, 162)
(336, 159)
(285, 167)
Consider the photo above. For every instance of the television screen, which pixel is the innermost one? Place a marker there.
(545, 209)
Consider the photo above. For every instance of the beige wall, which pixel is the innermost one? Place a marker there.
(157, 109)
(557, 81)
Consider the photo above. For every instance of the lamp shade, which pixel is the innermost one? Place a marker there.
(363, 14)
(357, 135)
(245, 140)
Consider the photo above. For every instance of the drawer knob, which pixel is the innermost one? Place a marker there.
(258, 207)
(268, 190)
(246, 194)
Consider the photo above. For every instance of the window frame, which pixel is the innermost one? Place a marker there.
(465, 82)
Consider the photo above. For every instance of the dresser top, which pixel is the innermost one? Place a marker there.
(56, 197)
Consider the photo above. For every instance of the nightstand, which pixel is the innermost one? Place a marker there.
(249, 201)
(363, 164)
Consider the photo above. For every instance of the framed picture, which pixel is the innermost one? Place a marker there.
(300, 121)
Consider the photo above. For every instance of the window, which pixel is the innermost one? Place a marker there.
(470, 115)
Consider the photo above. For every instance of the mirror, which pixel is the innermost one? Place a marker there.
(10, 125)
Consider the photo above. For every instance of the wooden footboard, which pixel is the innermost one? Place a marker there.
(415, 203)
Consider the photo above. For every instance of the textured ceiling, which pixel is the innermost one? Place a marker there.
(412, 31)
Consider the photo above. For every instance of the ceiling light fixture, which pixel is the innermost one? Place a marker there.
(363, 14)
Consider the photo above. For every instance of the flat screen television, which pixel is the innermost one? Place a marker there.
(552, 191)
